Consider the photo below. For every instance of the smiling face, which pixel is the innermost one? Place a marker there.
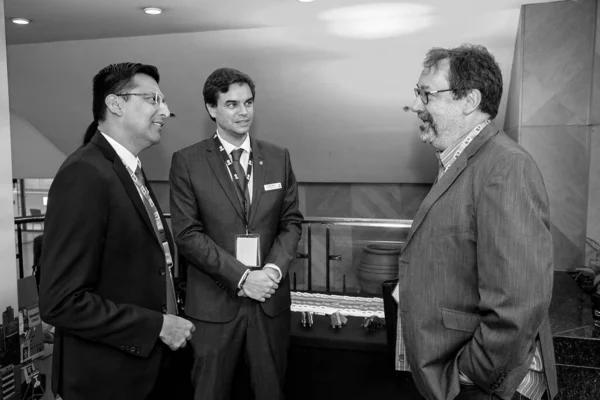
(143, 119)
(234, 112)
(442, 118)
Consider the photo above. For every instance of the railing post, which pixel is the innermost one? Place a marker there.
(20, 250)
(309, 251)
(327, 244)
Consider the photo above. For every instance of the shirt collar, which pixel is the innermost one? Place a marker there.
(128, 159)
(229, 147)
(447, 156)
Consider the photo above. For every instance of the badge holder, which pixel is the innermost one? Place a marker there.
(247, 250)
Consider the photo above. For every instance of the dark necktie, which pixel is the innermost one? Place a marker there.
(242, 181)
(150, 210)
(239, 170)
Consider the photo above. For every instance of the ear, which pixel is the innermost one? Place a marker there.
(113, 104)
(473, 100)
(211, 110)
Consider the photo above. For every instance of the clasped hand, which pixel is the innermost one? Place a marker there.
(175, 331)
(261, 284)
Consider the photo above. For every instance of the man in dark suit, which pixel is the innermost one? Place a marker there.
(234, 203)
(107, 252)
(476, 272)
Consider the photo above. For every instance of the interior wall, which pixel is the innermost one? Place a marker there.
(8, 265)
(554, 108)
(336, 104)
(593, 211)
(33, 155)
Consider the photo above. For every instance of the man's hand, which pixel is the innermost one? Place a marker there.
(273, 274)
(259, 285)
(175, 331)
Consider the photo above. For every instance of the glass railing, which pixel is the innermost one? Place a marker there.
(335, 255)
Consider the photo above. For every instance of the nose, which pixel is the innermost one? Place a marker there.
(417, 105)
(243, 110)
(165, 112)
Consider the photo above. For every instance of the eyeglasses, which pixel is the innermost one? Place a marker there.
(424, 94)
(156, 98)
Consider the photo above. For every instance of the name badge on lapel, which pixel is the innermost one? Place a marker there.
(247, 250)
(272, 186)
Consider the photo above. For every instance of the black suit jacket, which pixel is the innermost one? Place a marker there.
(103, 283)
(206, 216)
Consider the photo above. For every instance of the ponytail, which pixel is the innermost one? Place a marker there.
(90, 132)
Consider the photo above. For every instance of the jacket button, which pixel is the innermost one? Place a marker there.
(164, 309)
(162, 272)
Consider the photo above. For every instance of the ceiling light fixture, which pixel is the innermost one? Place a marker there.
(20, 21)
(153, 10)
(306, 1)
(378, 20)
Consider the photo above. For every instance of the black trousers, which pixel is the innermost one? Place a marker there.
(174, 380)
(262, 342)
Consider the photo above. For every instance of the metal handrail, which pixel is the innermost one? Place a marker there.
(309, 221)
(370, 222)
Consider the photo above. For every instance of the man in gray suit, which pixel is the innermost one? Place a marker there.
(476, 272)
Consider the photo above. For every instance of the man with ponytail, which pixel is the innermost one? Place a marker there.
(106, 282)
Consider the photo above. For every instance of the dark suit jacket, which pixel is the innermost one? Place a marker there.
(103, 284)
(476, 273)
(206, 216)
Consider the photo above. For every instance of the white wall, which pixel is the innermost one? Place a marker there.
(8, 265)
(33, 155)
(335, 103)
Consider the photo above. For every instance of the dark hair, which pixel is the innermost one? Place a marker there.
(471, 67)
(219, 82)
(114, 78)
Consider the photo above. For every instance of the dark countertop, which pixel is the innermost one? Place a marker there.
(571, 309)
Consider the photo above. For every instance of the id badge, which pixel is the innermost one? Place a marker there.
(247, 249)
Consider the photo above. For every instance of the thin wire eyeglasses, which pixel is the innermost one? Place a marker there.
(156, 98)
(424, 94)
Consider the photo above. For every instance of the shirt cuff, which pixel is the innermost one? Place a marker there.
(275, 267)
(243, 279)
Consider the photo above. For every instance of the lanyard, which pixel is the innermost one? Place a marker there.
(466, 141)
(242, 196)
(158, 225)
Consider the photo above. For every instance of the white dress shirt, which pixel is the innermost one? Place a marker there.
(244, 158)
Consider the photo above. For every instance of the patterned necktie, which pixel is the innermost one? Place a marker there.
(151, 210)
(239, 170)
(242, 181)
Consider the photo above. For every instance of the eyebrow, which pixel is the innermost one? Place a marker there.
(423, 86)
(236, 101)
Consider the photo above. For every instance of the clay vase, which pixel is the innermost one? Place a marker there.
(378, 263)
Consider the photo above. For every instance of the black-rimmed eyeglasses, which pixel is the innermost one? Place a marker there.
(155, 98)
(424, 94)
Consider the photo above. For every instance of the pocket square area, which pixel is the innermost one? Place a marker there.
(272, 186)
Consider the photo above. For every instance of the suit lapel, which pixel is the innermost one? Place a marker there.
(124, 177)
(441, 186)
(220, 170)
(258, 177)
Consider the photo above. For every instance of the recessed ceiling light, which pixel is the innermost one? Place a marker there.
(153, 10)
(20, 21)
(306, 1)
(378, 20)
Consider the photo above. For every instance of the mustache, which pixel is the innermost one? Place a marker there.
(425, 117)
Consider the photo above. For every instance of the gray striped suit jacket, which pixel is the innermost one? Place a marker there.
(476, 273)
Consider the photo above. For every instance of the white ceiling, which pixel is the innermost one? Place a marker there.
(336, 103)
(58, 20)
